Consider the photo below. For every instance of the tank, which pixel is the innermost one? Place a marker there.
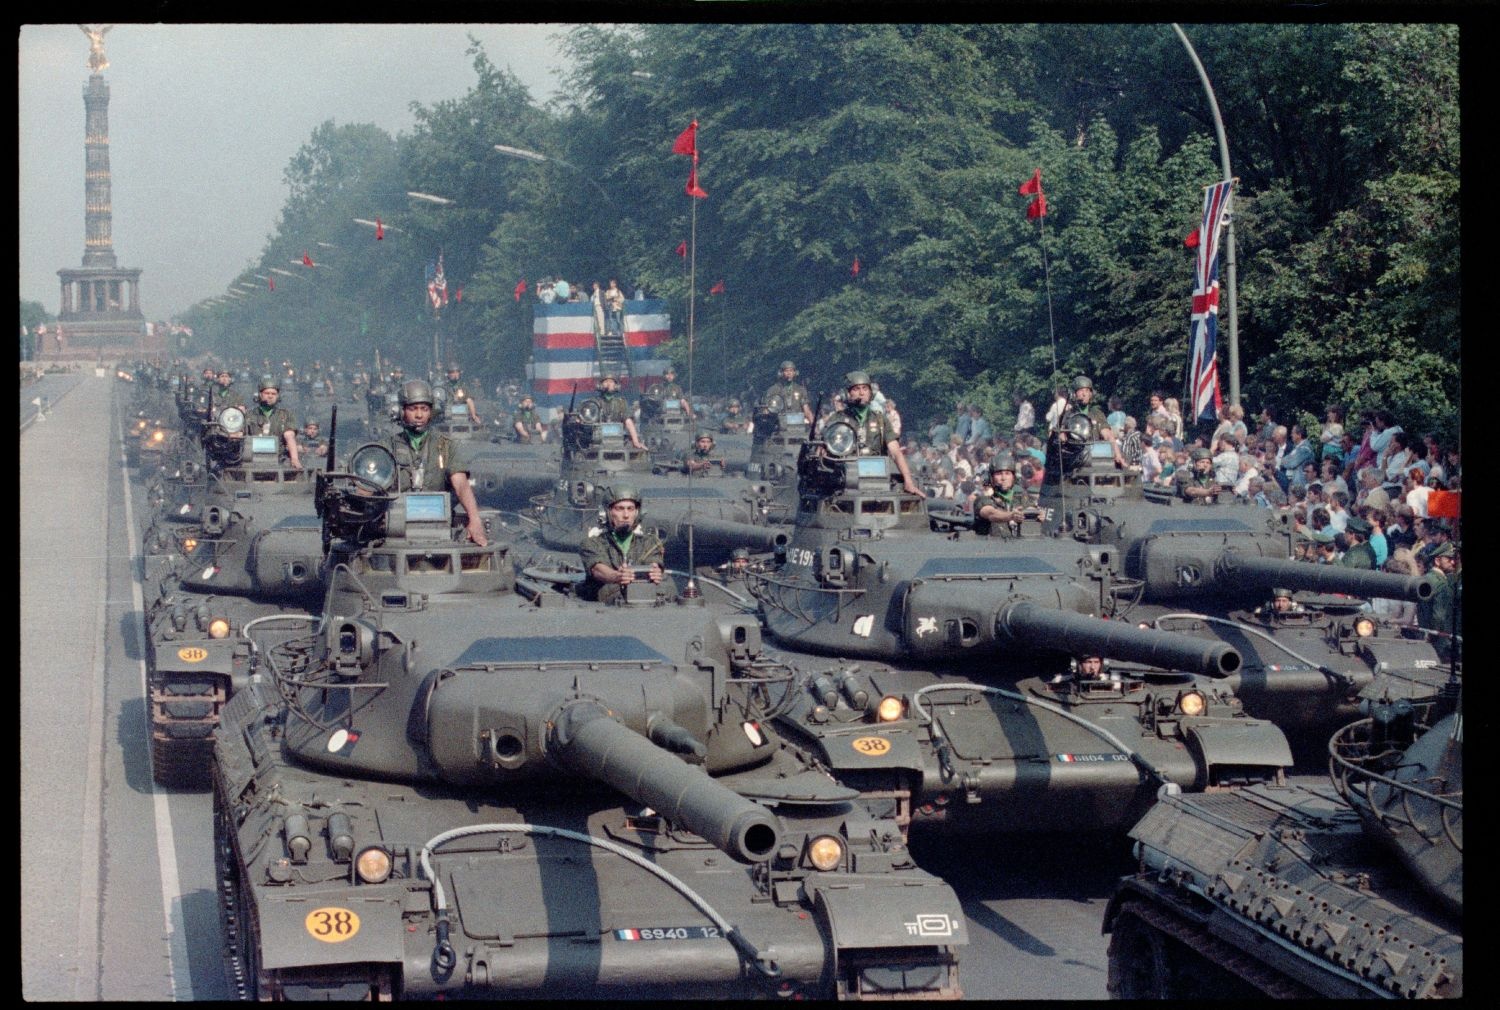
(1351, 889)
(664, 424)
(464, 782)
(948, 681)
(1209, 570)
(254, 553)
(712, 514)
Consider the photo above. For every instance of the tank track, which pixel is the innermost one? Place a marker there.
(240, 932)
(1201, 944)
(183, 719)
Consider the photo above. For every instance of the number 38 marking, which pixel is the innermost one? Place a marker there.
(871, 745)
(331, 925)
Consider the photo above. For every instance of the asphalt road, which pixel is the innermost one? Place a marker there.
(118, 899)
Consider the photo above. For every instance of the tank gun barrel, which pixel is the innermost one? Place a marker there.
(1034, 626)
(1233, 565)
(715, 532)
(589, 742)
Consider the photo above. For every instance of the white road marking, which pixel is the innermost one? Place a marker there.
(166, 847)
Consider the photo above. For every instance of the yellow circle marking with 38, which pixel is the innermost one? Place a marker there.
(872, 746)
(331, 925)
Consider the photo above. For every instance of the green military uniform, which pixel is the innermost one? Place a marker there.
(640, 548)
(427, 462)
(793, 395)
(527, 418)
(260, 420)
(713, 457)
(873, 431)
(1097, 419)
(614, 407)
(1359, 556)
(228, 396)
(667, 391)
(1008, 501)
(734, 426)
(1190, 477)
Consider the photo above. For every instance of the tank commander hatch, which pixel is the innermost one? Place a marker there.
(611, 555)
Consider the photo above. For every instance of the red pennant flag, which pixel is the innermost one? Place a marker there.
(854, 270)
(1192, 239)
(687, 141)
(693, 189)
(273, 282)
(1444, 504)
(717, 289)
(520, 288)
(379, 230)
(306, 259)
(1037, 207)
(682, 248)
(1032, 186)
(458, 296)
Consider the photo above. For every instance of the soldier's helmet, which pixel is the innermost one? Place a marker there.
(734, 403)
(856, 378)
(1281, 593)
(1082, 382)
(740, 554)
(1200, 453)
(268, 382)
(609, 373)
(787, 364)
(624, 492)
(453, 367)
(416, 391)
(1003, 461)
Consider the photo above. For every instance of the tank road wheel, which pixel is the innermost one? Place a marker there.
(183, 719)
(1139, 962)
(241, 933)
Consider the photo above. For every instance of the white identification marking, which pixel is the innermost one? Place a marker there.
(926, 626)
(863, 626)
(930, 925)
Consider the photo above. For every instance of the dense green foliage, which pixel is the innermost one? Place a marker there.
(904, 145)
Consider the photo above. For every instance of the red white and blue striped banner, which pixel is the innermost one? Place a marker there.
(564, 349)
(1203, 339)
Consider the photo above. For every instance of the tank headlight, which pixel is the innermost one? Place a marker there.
(373, 865)
(158, 435)
(840, 438)
(1364, 627)
(218, 628)
(1191, 703)
(890, 708)
(232, 419)
(189, 545)
(825, 852)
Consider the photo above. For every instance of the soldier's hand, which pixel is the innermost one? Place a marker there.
(475, 529)
(656, 573)
(911, 488)
(624, 576)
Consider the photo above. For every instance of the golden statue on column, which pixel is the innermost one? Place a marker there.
(97, 61)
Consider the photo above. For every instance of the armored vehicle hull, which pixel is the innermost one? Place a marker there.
(1351, 890)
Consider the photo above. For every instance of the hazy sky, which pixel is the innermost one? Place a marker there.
(203, 120)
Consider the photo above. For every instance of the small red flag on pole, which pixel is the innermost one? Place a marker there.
(717, 289)
(693, 189)
(687, 141)
(458, 295)
(682, 248)
(1192, 239)
(379, 230)
(520, 288)
(306, 259)
(1032, 186)
(854, 270)
(272, 281)
(1037, 207)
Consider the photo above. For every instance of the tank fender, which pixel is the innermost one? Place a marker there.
(1243, 743)
(298, 928)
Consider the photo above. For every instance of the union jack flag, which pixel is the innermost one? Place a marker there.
(1203, 336)
(437, 285)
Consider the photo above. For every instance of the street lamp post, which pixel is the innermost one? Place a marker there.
(1234, 328)
(523, 154)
